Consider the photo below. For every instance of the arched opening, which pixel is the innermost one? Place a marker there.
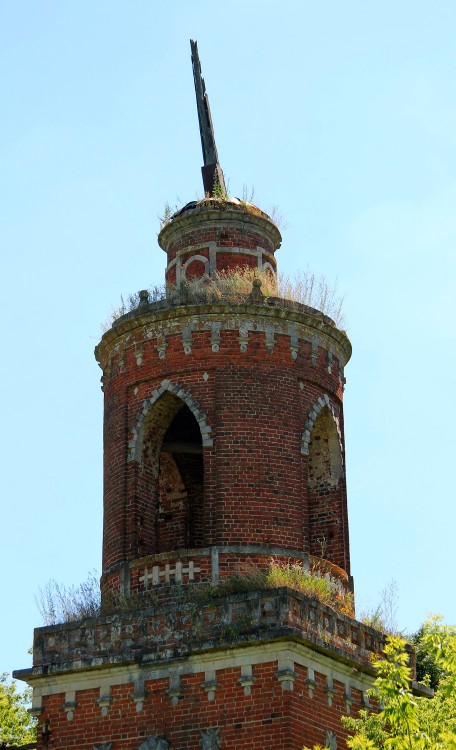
(324, 486)
(171, 485)
(181, 484)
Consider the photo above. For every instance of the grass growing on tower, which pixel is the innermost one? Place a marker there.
(235, 286)
(313, 583)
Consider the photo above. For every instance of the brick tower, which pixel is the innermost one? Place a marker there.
(223, 450)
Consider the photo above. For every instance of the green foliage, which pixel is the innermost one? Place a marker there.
(168, 212)
(16, 725)
(219, 191)
(439, 641)
(250, 579)
(165, 218)
(428, 670)
(404, 721)
(367, 728)
(399, 714)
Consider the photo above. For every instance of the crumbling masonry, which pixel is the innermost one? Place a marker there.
(223, 448)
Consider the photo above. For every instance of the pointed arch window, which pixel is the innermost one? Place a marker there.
(171, 477)
(325, 470)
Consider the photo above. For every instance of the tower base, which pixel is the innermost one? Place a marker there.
(230, 671)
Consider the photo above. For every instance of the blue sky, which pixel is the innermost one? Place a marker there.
(341, 114)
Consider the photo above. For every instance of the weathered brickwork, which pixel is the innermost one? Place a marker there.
(223, 448)
(178, 626)
(165, 573)
(254, 663)
(240, 720)
(251, 406)
(208, 236)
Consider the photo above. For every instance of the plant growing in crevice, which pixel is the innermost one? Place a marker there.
(235, 287)
(314, 291)
(383, 616)
(58, 603)
(168, 212)
(313, 583)
(156, 293)
(219, 191)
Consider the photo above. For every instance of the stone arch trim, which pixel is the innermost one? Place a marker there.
(135, 444)
(320, 403)
(190, 260)
(267, 266)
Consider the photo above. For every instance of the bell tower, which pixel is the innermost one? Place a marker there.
(223, 421)
(224, 460)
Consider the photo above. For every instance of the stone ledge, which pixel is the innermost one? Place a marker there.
(219, 213)
(203, 565)
(173, 632)
(280, 309)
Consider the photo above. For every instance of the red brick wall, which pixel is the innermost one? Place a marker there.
(269, 717)
(234, 561)
(253, 385)
(223, 235)
(325, 498)
(229, 231)
(195, 270)
(256, 479)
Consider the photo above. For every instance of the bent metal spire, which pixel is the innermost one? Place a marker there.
(224, 453)
(211, 171)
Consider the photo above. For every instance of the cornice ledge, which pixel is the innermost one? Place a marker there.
(218, 214)
(138, 318)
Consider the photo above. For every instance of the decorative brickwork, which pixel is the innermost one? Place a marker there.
(321, 403)
(135, 444)
(324, 492)
(238, 368)
(150, 674)
(223, 449)
(213, 235)
(204, 565)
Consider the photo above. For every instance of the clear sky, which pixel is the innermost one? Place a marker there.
(341, 114)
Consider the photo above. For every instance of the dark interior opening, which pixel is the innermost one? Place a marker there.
(181, 485)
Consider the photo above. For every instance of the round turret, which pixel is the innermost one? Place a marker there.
(218, 235)
(223, 419)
